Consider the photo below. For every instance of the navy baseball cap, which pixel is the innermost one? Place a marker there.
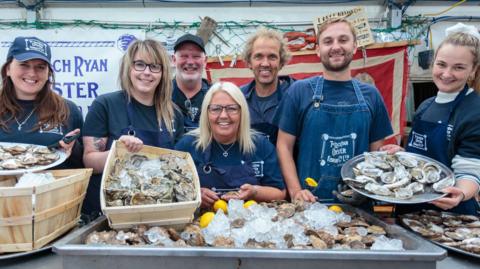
(189, 38)
(28, 48)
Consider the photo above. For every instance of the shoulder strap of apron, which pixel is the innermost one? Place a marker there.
(317, 87)
(358, 92)
(457, 101)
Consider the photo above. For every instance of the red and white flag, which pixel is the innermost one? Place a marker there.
(386, 68)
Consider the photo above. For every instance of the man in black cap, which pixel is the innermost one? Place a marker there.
(189, 87)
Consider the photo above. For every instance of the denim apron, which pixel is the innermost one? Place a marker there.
(227, 176)
(331, 135)
(430, 139)
(161, 138)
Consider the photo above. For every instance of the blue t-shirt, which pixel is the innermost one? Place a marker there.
(264, 159)
(262, 109)
(107, 117)
(298, 99)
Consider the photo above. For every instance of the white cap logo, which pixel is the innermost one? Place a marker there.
(36, 45)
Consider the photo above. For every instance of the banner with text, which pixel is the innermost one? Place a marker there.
(85, 61)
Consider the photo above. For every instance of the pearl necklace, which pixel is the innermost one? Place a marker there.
(20, 124)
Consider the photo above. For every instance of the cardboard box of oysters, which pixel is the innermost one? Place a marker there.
(36, 208)
(155, 186)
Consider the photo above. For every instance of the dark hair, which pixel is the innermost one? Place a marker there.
(51, 108)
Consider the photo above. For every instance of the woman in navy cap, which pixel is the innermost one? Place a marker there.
(141, 113)
(30, 112)
(228, 154)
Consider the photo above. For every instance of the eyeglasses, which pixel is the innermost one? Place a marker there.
(141, 66)
(217, 109)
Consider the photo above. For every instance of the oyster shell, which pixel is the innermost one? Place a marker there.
(137, 179)
(445, 228)
(404, 175)
(442, 184)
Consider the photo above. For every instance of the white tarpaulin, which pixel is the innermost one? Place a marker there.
(85, 61)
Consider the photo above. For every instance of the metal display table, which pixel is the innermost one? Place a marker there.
(419, 253)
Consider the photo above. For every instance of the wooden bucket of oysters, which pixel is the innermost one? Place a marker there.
(400, 178)
(154, 186)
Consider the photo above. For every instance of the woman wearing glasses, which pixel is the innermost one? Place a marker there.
(230, 156)
(142, 113)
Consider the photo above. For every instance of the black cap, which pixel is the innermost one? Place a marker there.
(28, 48)
(189, 38)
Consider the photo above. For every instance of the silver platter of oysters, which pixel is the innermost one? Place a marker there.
(19, 158)
(400, 178)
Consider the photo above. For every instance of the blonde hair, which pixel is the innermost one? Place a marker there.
(473, 44)
(162, 98)
(244, 134)
(263, 32)
(322, 27)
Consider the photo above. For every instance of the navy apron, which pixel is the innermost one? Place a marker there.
(161, 138)
(267, 129)
(331, 135)
(227, 176)
(430, 139)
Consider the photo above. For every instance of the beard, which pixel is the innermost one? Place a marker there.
(184, 76)
(348, 56)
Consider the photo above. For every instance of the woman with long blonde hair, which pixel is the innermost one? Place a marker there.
(232, 160)
(142, 113)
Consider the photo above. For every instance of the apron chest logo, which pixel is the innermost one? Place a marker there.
(449, 132)
(337, 150)
(418, 141)
(55, 130)
(258, 168)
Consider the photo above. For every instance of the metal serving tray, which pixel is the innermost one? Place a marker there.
(419, 254)
(428, 195)
(453, 249)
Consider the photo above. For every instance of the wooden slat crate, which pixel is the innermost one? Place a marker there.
(177, 213)
(31, 217)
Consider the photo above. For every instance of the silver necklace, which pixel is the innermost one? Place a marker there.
(225, 151)
(20, 124)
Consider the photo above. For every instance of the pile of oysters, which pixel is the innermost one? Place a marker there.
(457, 231)
(400, 175)
(24, 156)
(136, 179)
(352, 232)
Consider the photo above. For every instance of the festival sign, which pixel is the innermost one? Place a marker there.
(357, 17)
(85, 61)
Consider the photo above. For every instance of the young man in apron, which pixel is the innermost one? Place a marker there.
(328, 119)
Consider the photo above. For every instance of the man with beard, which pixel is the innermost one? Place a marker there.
(189, 87)
(328, 119)
(265, 54)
